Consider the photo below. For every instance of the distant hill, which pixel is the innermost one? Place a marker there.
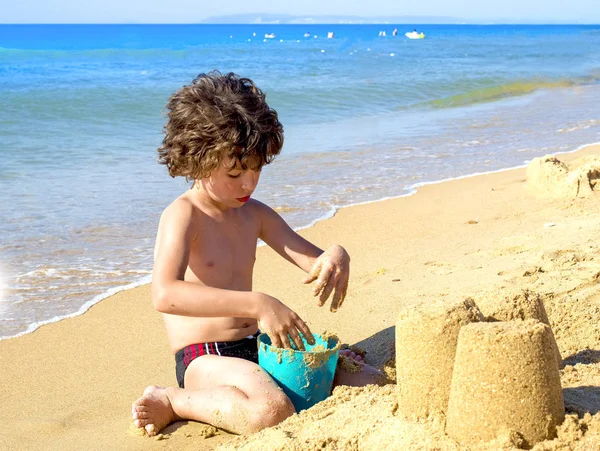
(289, 19)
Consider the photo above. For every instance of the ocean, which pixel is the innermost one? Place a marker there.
(367, 116)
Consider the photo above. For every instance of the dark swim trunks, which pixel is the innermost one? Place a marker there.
(246, 348)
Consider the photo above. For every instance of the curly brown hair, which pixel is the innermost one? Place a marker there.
(219, 118)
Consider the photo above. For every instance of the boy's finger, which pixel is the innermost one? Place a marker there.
(275, 340)
(309, 278)
(327, 289)
(314, 272)
(343, 294)
(297, 339)
(285, 340)
(302, 327)
(323, 278)
(335, 301)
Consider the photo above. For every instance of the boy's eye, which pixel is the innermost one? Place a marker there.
(234, 176)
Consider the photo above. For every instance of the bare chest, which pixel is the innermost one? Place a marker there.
(223, 254)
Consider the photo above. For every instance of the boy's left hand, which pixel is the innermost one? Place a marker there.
(332, 271)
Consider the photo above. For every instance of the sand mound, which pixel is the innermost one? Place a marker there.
(426, 337)
(548, 176)
(505, 379)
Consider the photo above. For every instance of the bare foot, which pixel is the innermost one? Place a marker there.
(153, 411)
(353, 371)
(353, 355)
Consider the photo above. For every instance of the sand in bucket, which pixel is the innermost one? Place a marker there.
(505, 380)
(306, 377)
(426, 337)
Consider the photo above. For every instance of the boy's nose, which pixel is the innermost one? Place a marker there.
(250, 180)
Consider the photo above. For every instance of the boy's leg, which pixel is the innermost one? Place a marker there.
(230, 393)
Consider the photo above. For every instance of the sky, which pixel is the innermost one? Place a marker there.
(193, 11)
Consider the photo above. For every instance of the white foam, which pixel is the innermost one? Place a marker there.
(84, 308)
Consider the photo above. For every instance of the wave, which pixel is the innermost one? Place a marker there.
(511, 89)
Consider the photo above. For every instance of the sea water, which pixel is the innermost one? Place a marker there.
(366, 117)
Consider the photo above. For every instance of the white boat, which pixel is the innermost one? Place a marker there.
(415, 35)
(269, 35)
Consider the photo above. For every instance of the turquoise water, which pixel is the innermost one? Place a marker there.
(366, 117)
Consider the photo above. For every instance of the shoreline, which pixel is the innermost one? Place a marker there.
(413, 189)
(70, 384)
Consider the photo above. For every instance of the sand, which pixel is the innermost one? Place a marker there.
(70, 385)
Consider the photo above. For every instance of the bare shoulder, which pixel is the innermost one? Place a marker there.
(180, 216)
(176, 224)
(181, 209)
(272, 227)
(261, 214)
(258, 209)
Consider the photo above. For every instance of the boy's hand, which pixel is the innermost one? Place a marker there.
(280, 323)
(332, 269)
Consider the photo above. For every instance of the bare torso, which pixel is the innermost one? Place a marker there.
(222, 255)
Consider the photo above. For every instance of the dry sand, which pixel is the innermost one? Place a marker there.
(70, 385)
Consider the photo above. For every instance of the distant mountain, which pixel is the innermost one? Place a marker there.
(289, 19)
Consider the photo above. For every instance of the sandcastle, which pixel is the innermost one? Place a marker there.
(550, 177)
(487, 378)
(426, 337)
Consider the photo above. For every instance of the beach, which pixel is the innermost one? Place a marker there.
(70, 384)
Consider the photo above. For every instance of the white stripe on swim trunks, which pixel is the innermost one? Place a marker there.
(217, 348)
(206, 347)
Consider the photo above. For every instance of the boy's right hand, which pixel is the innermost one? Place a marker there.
(281, 323)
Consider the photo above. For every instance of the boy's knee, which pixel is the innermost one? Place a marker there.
(272, 412)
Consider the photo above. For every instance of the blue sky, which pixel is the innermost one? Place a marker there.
(186, 11)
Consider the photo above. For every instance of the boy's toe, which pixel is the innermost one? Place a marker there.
(140, 423)
(140, 415)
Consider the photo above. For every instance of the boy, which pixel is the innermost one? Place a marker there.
(220, 133)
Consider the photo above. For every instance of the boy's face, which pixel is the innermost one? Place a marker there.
(231, 185)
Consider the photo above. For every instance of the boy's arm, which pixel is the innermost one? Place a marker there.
(331, 268)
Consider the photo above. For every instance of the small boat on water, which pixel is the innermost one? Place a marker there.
(269, 35)
(415, 35)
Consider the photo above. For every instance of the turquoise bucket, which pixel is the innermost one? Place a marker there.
(306, 377)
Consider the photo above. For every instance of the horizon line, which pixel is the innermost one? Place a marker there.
(487, 22)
